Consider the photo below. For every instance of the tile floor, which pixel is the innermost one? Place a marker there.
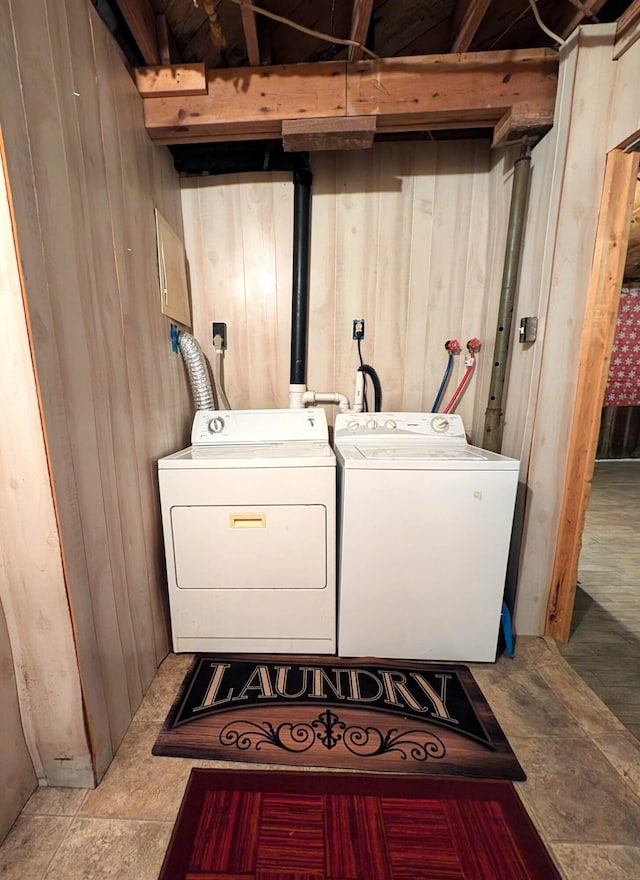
(582, 791)
(604, 647)
(582, 760)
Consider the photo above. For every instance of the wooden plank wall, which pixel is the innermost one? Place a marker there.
(401, 236)
(17, 776)
(32, 586)
(585, 99)
(114, 398)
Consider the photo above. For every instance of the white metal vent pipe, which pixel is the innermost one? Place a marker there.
(196, 365)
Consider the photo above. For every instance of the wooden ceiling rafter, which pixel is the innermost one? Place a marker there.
(575, 13)
(360, 20)
(250, 27)
(465, 22)
(162, 33)
(141, 21)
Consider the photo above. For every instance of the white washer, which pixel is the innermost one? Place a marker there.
(248, 513)
(424, 525)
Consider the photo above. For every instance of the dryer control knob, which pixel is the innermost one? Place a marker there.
(390, 424)
(352, 426)
(216, 425)
(372, 424)
(440, 424)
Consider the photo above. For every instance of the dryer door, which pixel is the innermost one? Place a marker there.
(253, 547)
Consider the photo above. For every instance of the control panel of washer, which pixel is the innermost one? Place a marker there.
(389, 424)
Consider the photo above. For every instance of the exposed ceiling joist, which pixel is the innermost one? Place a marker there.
(359, 26)
(141, 20)
(581, 13)
(402, 94)
(465, 21)
(162, 31)
(250, 28)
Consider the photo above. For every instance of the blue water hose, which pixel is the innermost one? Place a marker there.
(443, 384)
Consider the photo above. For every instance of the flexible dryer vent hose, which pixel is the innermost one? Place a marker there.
(196, 365)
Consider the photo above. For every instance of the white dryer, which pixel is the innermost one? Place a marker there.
(248, 513)
(424, 525)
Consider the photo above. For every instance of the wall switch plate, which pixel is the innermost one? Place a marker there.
(528, 330)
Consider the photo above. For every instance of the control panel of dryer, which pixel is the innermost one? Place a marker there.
(259, 426)
(432, 425)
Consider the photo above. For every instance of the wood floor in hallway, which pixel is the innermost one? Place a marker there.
(604, 647)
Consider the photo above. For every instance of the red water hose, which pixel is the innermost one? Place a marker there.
(473, 345)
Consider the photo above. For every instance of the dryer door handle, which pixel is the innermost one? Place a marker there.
(248, 520)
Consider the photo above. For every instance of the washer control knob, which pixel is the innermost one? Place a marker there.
(372, 424)
(216, 425)
(352, 426)
(440, 424)
(390, 424)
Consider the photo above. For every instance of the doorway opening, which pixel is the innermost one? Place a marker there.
(594, 605)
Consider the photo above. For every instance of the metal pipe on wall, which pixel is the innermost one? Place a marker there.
(300, 288)
(494, 416)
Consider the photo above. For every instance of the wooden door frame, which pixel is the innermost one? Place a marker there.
(601, 311)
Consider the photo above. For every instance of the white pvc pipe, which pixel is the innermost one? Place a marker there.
(223, 401)
(327, 397)
(358, 402)
(296, 393)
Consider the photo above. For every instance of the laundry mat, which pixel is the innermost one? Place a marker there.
(269, 825)
(363, 714)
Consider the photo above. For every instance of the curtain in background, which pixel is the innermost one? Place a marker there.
(620, 425)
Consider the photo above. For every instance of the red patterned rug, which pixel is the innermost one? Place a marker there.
(269, 825)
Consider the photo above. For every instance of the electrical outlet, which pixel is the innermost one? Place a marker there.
(173, 336)
(219, 330)
(358, 328)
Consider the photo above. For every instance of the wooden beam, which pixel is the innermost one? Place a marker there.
(162, 33)
(531, 121)
(595, 352)
(182, 79)
(141, 20)
(450, 88)
(247, 102)
(577, 16)
(359, 26)
(627, 30)
(341, 133)
(250, 34)
(403, 94)
(465, 21)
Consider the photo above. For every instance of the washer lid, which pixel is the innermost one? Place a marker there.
(251, 455)
(420, 455)
(422, 451)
